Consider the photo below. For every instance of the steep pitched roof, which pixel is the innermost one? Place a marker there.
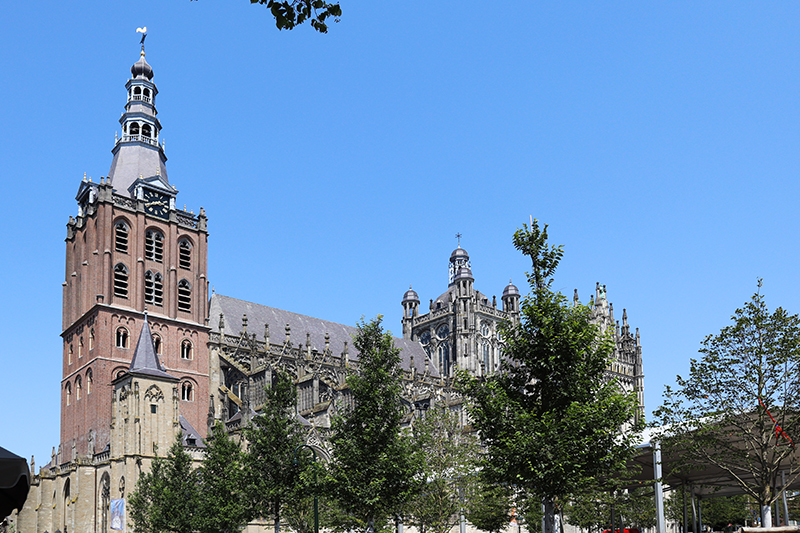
(145, 359)
(260, 315)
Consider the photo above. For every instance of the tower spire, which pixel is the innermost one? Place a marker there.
(139, 159)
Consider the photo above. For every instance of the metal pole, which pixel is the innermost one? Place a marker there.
(783, 497)
(700, 511)
(694, 512)
(659, 489)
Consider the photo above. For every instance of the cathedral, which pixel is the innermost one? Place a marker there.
(149, 354)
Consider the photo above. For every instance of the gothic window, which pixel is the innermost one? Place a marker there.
(444, 359)
(122, 338)
(121, 237)
(105, 500)
(484, 329)
(68, 390)
(186, 349)
(80, 347)
(91, 340)
(185, 254)
(89, 381)
(69, 355)
(146, 130)
(486, 355)
(154, 246)
(186, 392)
(184, 296)
(121, 281)
(153, 288)
(78, 388)
(157, 345)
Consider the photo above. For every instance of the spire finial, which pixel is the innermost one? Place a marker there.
(458, 236)
(143, 31)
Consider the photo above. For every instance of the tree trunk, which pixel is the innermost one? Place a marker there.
(549, 518)
(370, 525)
(277, 519)
(766, 515)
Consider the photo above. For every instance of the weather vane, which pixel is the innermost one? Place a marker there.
(458, 236)
(143, 31)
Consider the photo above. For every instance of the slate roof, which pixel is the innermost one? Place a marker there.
(258, 315)
(190, 436)
(145, 360)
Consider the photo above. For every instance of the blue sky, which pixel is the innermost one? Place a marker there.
(659, 142)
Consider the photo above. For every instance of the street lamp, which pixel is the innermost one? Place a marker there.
(314, 460)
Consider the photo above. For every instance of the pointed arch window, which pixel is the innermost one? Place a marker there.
(186, 349)
(185, 254)
(89, 381)
(184, 296)
(122, 338)
(121, 281)
(69, 355)
(78, 388)
(157, 344)
(121, 237)
(91, 340)
(68, 391)
(444, 359)
(80, 347)
(154, 246)
(153, 288)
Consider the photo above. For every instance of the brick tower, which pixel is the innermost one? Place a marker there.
(130, 250)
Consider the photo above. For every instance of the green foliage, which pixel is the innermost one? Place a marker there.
(549, 419)
(272, 437)
(291, 13)
(449, 458)
(720, 415)
(374, 471)
(718, 512)
(632, 509)
(166, 497)
(489, 507)
(222, 506)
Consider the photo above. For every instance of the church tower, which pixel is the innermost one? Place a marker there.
(460, 329)
(129, 252)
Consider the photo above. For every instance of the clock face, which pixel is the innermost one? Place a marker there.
(156, 204)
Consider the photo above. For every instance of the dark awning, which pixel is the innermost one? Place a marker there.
(15, 481)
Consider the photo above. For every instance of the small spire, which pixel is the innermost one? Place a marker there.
(84, 176)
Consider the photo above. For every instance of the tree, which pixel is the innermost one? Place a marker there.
(291, 13)
(166, 498)
(632, 509)
(550, 419)
(222, 506)
(374, 471)
(272, 438)
(739, 409)
(489, 507)
(449, 458)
